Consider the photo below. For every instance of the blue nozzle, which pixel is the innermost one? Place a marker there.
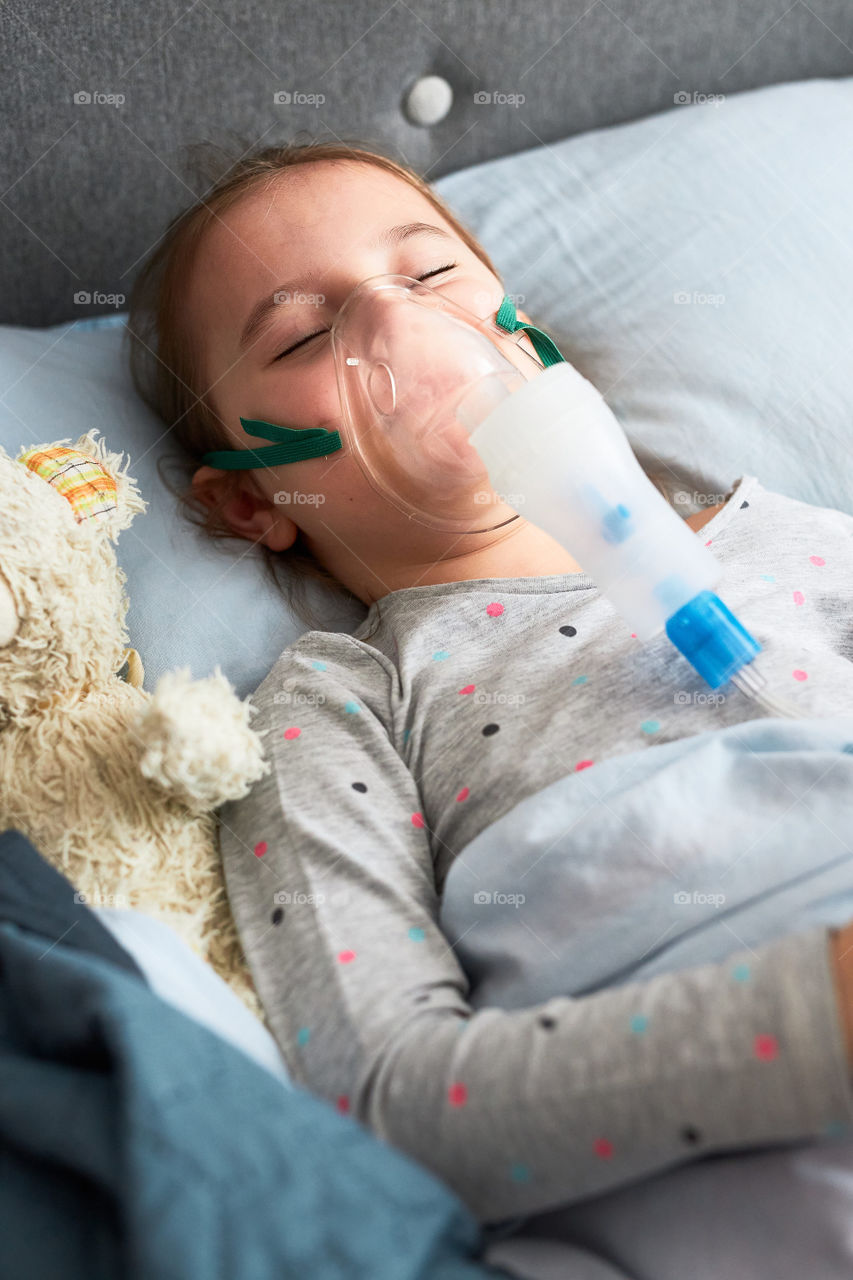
(711, 638)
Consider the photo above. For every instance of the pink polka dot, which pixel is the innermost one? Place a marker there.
(463, 794)
(633, 635)
(469, 688)
(800, 675)
(343, 1103)
(494, 610)
(766, 1048)
(583, 764)
(818, 560)
(346, 957)
(603, 1147)
(799, 598)
(417, 819)
(708, 543)
(457, 1095)
(260, 848)
(292, 732)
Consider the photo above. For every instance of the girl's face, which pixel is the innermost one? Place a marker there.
(269, 277)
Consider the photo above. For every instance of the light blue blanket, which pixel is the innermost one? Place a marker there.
(670, 857)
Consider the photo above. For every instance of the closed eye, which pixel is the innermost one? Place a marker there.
(302, 341)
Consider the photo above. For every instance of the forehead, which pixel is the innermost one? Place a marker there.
(307, 221)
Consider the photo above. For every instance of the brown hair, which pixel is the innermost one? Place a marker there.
(164, 360)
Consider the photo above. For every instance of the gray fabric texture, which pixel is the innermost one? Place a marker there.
(387, 762)
(87, 187)
(659, 861)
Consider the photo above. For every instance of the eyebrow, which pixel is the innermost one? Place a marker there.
(262, 311)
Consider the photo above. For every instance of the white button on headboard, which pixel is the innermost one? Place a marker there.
(429, 100)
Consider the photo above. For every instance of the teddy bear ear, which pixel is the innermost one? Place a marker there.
(90, 478)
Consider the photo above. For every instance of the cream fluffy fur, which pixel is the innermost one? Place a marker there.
(115, 786)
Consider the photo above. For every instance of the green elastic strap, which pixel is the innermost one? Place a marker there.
(295, 446)
(547, 350)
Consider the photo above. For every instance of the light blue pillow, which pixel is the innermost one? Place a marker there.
(697, 266)
(742, 207)
(192, 602)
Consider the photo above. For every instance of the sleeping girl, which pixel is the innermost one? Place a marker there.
(486, 668)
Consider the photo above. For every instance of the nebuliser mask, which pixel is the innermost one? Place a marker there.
(456, 423)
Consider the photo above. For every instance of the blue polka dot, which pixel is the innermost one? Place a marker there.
(650, 726)
(639, 1023)
(351, 707)
(768, 577)
(319, 666)
(303, 1035)
(579, 680)
(440, 655)
(741, 973)
(519, 1173)
(406, 734)
(417, 935)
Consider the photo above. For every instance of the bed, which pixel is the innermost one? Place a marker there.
(662, 187)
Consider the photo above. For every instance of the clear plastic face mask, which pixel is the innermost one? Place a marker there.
(409, 362)
(414, 371)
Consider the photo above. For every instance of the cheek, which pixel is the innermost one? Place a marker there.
(319, 490)
(343, 482)
(303, 395)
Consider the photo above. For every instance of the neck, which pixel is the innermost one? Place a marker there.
(518, 550)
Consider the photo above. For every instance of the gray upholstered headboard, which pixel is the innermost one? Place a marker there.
(96, 102)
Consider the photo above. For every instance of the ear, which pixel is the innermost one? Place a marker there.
(244, 508)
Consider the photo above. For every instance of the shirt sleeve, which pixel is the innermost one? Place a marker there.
(330, 875)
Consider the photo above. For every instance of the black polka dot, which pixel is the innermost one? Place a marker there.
(690, 1135)
(547, 1022)
(489, 729)
(568, 631)
(743, 504)
(359, 786)
(277, 916)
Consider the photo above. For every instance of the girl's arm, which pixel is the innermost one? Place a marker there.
(331, 880)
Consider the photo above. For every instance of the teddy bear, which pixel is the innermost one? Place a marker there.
(115, 786)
